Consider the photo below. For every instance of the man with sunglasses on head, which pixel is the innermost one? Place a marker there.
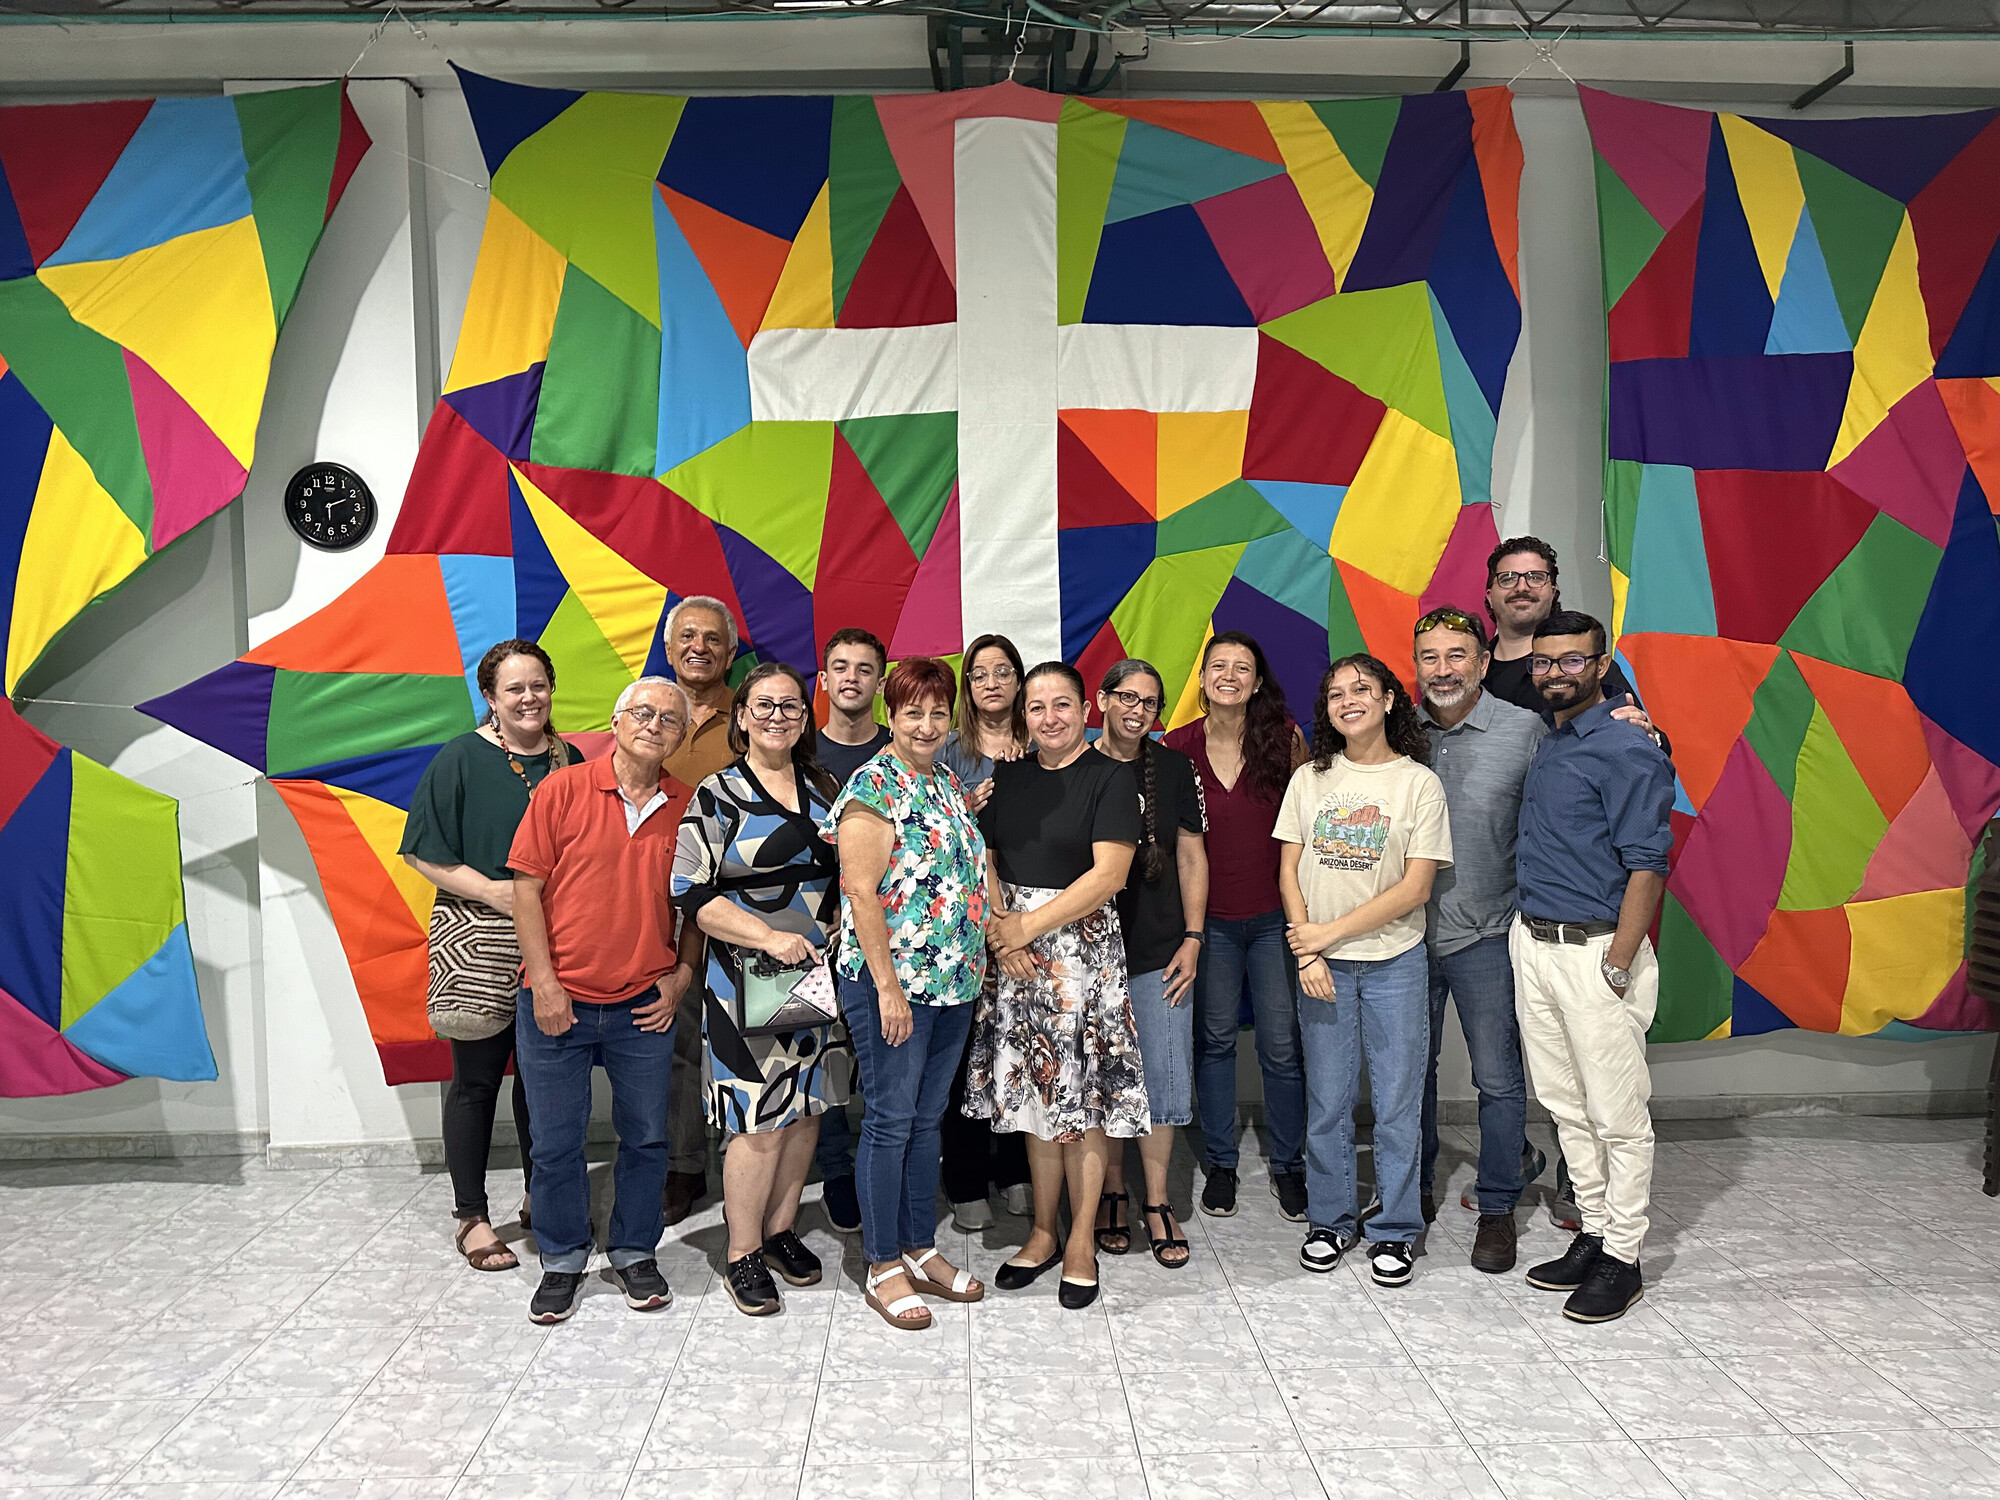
(1590, 868)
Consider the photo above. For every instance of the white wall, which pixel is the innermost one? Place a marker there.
(357, 371)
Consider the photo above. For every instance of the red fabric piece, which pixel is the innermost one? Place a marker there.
(865, 563)
(1652, 319)
(1658, 151)
(1235, 126)
(354, 144)
(1911, 466)
(1270, 246)
(1957, 1008)
(57, 157)
(1497, 147)
(1801, 966)
(25, 752)
(36, 1062)
(1772, 538)
(1956, 220)
(456, 500)
(1086, 494)
(1460, 579)
(193, 474)
(415, 1062)
(932, 620)
(1306, 423)
(1103, 653)
(1732, 866)
(901, 282)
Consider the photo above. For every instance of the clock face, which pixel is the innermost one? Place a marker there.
(329, 506)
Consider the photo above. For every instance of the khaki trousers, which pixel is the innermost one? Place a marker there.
(1586, 1054)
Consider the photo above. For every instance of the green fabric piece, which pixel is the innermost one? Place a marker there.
(1473, 423)
(1836, 824)
(321, 717)
(767, 482)
(1361, 128)
(77, 376)
(290, 139)
(1856, 227)
(1866, 613)
(913, 463)
(113, 922)
(1627, 234)
(1343, 629)
(863, 182)
(1087, 145)
(1697, 988)
(599, 406)
(469, 803)
(1161, 619)
(593, 674)
(1234, 513)
(1779, 713)
(1381, 341)
(1622, 480)
(585, 182)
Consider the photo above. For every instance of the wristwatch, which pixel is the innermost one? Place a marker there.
(1618, 979)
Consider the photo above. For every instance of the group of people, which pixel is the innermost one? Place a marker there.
(1024, 946)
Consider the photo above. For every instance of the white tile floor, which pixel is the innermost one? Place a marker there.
(1823, 1319)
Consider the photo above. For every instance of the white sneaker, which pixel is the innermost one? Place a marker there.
(1020, 1199)
(970, 1218)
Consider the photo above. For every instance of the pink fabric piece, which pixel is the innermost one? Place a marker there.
(921, 131)
(1658, 151)
(36, 1062)
(1925, 849)
(193, 474)
(1970, 779)
(1729, 875)
(1460, 579)
(1957, 1008)
(929, 624)
(1911, 466)
(1267, 240)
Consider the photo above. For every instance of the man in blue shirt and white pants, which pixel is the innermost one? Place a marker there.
(1591, 866)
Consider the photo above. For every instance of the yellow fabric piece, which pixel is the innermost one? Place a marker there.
(1893, 354)
(1621, 588)
(198, 310)
(1401, 508)
(511, 310)
(1187, 708)
(1199, 452)
(624, 602)
(1720, 1034)
(381, 824)
(1904, 949)
(804, 297)
(1767, 183)
(78, 544)
(1337, 196)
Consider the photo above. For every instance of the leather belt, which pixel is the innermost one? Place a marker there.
(1577, 933)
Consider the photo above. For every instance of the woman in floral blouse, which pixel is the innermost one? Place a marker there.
(911, 963)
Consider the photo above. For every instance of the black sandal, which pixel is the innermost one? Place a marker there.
(1122, 1231)
(1165, 1242)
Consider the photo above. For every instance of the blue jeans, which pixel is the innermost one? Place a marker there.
(1378, 1008)
(1235, 954)
(907, 1088)
(1166, 1048)
(1481, 980)
(556, 1070)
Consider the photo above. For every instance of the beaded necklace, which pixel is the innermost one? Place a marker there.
(558, 753)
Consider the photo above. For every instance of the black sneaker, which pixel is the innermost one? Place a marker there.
(555, 1298)
(1611, 1287)
(1322, 1249)
(751, 1287)
(1218, 1194)
(645, 1288)
(787, 1253)
(1390, 1262)
(842, 1205)
(1289, 1188)
(1568, 1273)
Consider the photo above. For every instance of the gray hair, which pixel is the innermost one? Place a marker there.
(687, 703)
(699, 601)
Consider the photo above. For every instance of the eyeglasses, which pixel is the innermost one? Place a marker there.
(765, 709)
(643, 714)
(1454, 619)
(1129, 699)
(994, 676)
(1571, 665)
(1534, 576)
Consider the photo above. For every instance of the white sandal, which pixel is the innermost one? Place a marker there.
(896, 1314)
(963, 1287)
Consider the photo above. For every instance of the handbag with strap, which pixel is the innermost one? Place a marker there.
(475, 969)
(772, 997)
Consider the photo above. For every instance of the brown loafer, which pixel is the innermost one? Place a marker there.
(684, 1190)
(1494, 1247)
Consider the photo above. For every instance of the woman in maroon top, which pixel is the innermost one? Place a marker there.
(1245, 750)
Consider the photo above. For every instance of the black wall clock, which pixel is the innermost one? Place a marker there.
(330, 507)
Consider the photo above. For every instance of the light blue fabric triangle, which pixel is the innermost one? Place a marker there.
(704, 370)
(1163, 169)
(479, 591)
(1807, 317)
(151, 1024)
(183, 170)
(1310, 507)
(1473, 423)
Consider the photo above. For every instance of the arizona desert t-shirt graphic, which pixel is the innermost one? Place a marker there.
(1350, 835)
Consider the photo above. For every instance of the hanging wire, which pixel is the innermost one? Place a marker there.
(1545, 52)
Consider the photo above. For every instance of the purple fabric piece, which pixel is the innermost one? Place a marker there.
(1729, 875)
(776, 606)
(1895, 156)
(1430, 146)
(1294, 644)
(502, 411)
(1779, 411)
(230, 709)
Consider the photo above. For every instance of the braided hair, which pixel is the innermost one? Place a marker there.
(1152, 858)
(1404, 730)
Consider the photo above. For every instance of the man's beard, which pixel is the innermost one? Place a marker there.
(1446, 697)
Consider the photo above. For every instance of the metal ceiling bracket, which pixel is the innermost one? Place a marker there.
(1450, 80)
(1827, 84)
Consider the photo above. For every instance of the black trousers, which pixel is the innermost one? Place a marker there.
(974, 1154)
(477, 1071)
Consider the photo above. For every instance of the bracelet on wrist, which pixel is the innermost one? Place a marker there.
(1198, 937)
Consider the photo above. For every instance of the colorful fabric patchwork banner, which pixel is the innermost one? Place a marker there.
(1103, 376)
(1800, 497)
(149, 251)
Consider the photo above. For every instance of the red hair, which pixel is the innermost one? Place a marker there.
(916, 678)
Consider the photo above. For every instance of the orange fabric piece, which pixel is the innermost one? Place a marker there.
(394, 619)
(1878, 726)
(742, 261)
(1699, 689)
(1234, 125)
(1801, 965)
(1386, 615)
(1498, 150)
(1127, 444)
(1974, 406)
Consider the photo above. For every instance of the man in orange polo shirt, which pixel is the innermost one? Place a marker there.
(592, 862)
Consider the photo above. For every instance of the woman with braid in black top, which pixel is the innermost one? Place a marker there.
(1161, 909)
